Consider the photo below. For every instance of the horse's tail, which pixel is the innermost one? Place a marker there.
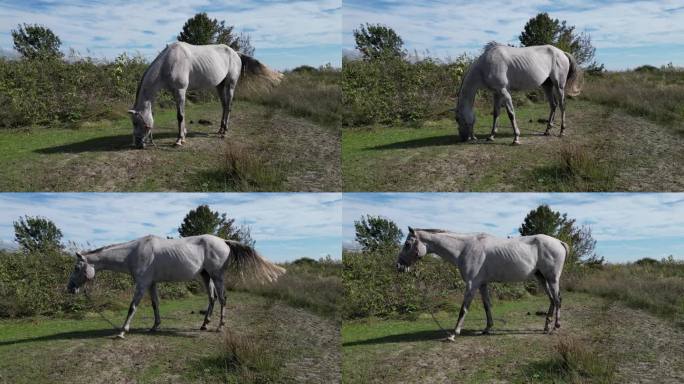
(575, 80)
(567, 252)
(245, 258)
(255, 67)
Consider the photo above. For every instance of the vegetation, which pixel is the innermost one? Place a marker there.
(36, 42)
(202, 221)
(37, 234)
(376, 41)
(376, 233)
(202, 30)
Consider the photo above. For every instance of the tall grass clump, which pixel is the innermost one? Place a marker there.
(246, 169)
(309, 284)
(657, 288)
(391, 89)
(312, 93)
(575, 361)
(576, 169)
(654, 93)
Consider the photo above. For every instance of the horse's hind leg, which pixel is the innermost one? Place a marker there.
(495, 114)
(552, 306)
(487, 301)
(508, 100)
(180, 115)
(548, 91)
(554, 287)
(209, 286)
(226, 90)
(221, 294)
(154, 295)
(560, 93)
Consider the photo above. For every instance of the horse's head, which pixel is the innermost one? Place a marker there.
(142, 126)
(82, 273)
(466, 123)
(412, 251)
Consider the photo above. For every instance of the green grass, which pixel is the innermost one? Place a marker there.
(45, 350)
(602, 151)
(590, 346)
(266, 150)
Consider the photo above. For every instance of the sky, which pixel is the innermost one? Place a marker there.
(285, 33)
(286, 226)
(626, 34)
(626, 226)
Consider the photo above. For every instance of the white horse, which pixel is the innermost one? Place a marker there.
(482, 258)
(182, 66)
(503, 69)
(152, 259)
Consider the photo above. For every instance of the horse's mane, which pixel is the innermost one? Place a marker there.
(491, 45)
(149, 68)
(479, 235)
(106, 247)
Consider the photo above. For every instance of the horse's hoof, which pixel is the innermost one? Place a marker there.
(178, 144)
(451, 337)
(546, 133)
(490, 138)
(152, 330)
(120, 336)
(486, 331)
(203, 328)
(515, 142)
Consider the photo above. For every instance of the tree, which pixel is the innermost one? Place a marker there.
(543, 220)
(37, 234)
(36, 42)
(542, 29)
(377, 41)
(201, 30)
(202, 220)
(376, 233)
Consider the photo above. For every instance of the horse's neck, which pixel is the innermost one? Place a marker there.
(112, 259)
(447, 247)
(466, 97)
(150, 85)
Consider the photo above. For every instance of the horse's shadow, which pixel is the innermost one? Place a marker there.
(437, 335)
(114, 143)
(103, 333)
(443, 140)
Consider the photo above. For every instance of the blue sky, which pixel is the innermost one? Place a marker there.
(627, 226)
(286, 226)
(626, 34)
(285, 33)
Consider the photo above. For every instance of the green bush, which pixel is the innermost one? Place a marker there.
(392, 89)
(43, 92)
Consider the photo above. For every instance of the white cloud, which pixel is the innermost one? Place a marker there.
(105, 29)
(614, 218)
(448, 29)
(287, 223)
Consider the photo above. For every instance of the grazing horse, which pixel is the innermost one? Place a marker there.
(182, 66)
(153, 259)
(482, 258)
(503, 69)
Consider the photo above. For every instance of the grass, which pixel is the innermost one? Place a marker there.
(282, 343)
(265, 150)
(600, 342)
(656, 95)
(604, 150)
(658, 289)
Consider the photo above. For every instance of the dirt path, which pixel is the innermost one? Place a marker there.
(644, 348)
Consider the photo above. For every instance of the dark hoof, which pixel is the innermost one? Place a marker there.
(515, 143)
(203, 328)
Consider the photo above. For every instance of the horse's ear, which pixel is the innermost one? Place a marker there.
(80, 256)
(411, 231)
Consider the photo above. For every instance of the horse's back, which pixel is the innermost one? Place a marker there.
(184, 258)
(517, 68)
(200, 66)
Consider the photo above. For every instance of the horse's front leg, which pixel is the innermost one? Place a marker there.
(511, 115)
(137, 296)
(467, 299)
(495, 114)
(548, 90)
(154, 295)
(180, 115)
(487, 301)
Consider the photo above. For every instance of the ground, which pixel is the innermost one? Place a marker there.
(617, 152)
(301, 346)
(266, 149)
(637, 346)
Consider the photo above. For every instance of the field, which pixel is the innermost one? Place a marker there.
(600, 341)
(273, 341)
(285, 138)
(624, 133)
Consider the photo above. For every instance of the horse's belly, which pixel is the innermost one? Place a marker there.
(511, 272)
